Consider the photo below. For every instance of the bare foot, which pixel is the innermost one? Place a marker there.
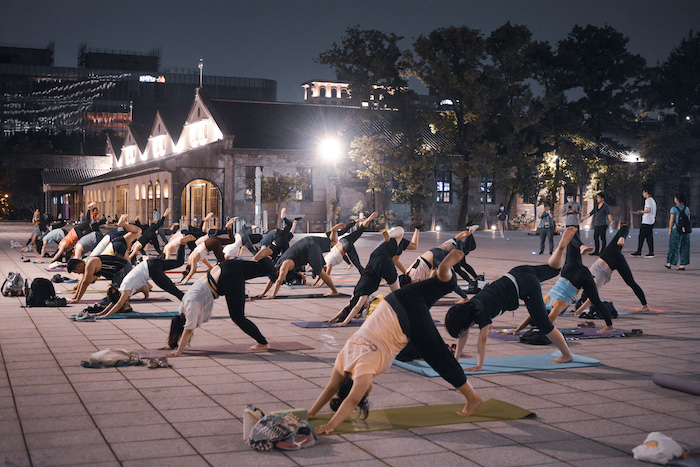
(642, 308)
(259, 347)
(187, 238)
(621, 241)
(585, 249)
(330, 294)
(563, 359)
(167, 211)
(606, 329)
(371, 217)
(122, 220)
(470, 407)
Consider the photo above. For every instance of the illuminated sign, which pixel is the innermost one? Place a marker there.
(151, 79)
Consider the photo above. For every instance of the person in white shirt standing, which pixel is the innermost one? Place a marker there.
(646, 230)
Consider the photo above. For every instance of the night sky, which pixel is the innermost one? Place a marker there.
(280, 39)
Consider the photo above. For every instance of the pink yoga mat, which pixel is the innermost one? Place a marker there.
(225, 349)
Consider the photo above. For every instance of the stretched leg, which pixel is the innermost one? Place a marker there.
(556, 260)
(235, 299)
(156, 268)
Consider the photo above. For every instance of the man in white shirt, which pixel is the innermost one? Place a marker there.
(646, 230)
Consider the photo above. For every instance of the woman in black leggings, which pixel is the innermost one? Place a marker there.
(574, 277)
(402, 317)
(149, 235)
(521, 283)
(611, 259)
(228, 279)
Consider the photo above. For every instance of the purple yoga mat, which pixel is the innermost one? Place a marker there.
(588, 333)
(679, 384)
(321, 324)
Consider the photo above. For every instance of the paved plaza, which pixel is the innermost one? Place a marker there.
(55, 412)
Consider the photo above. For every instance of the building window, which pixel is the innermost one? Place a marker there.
(444, 186)
(250, 183)
(486, 190)
(305, 193)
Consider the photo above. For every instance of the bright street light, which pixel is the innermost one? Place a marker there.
(330, 149)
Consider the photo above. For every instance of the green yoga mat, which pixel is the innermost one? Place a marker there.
(426, 415)
(505, 364)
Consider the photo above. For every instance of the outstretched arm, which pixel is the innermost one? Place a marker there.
(360, 386)
(481, 348)
(325, 397)
(114, 307)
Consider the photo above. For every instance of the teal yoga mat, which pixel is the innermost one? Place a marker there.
(505, 364)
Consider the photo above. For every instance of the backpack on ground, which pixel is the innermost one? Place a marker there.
(683, 226)
(41, 292)
(13, 285)
(535, 337)
(594, 312)
(271, 429)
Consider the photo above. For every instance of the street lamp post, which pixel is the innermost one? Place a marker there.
(331, 150)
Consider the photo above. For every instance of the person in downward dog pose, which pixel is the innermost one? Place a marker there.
(520, 283)
(227, 279)
(212, 244)
(242, 240)
(402, 317)
(574, 277)
(149, 235)
(611, 259)
(382, 264)
(137, 280)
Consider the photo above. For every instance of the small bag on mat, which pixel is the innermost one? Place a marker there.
(271, 429)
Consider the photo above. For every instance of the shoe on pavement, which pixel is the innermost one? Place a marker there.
(650, 255)
(636, 253)
(303, 438)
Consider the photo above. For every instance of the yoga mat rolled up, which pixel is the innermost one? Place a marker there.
(679, 384)
(426, 415)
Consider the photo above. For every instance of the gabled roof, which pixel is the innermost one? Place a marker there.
(275, 125)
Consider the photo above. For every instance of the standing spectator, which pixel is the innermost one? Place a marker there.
(546, 229)
(646, 230)
(601, 217)
(95, 214)
(80, 218)
(572, 211)
(161, 230)
(677, 241)
(502, 218)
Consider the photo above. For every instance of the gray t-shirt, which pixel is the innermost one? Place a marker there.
(600, 215)
(573, 218)
(197, 304)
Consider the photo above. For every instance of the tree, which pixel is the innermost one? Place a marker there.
(278, 189)
(367, 58)
(450, 61)
(375, 159)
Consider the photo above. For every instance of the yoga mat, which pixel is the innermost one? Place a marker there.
(180, 272)
(307, 295)
(679, 384)
(140, 299)
(321, 324)
(54, 270)
(504, 364)
(138, 315)
(652, 311)
(225, 349)
(426, 415)
(588, 333)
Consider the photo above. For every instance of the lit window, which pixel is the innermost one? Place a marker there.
(444, 186)
(486, 189)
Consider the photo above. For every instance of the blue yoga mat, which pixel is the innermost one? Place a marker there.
(505, 364)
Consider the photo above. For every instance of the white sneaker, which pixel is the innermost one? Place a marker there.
(473, 228)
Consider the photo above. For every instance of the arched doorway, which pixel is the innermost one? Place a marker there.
(198, 198)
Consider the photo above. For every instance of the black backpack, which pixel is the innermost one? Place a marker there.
(683, 227)
(535, 337)
(40, 291)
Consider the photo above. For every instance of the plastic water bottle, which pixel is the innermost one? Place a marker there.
(26, 287)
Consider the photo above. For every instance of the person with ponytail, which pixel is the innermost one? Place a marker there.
(226, 278)
(402, 317)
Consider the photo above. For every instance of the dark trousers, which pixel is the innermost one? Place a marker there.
(599, 237)
(546, 233)
(646, 232)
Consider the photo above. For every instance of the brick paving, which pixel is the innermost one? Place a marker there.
(55, 412)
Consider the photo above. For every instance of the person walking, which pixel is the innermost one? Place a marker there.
(646, 229)
(502, 218)
(572, 211)
(546, 229)
(678, 243)
(601, 217)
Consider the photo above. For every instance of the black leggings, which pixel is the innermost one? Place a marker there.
(580, 276)
(599, 237)
(612, 255)
(348, 244)
(245, 238)
(157, 268)
(150, 235)
(529, 279)
(232, 283)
